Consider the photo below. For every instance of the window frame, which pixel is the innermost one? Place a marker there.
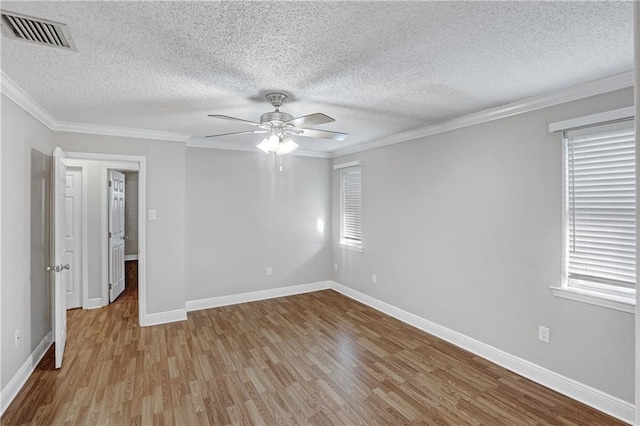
(348, 244)
(606, 295)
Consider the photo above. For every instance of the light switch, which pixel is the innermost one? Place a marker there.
(152, 215)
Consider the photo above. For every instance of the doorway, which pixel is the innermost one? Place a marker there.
(96, 252)
(131, 237)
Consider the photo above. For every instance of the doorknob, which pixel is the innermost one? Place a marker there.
(58, 268)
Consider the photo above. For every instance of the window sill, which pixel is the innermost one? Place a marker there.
(350, 247)
(619, 303)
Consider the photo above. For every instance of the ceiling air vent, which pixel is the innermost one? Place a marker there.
(34, 30)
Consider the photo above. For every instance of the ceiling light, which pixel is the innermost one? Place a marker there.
(286, 146)
(278, 145)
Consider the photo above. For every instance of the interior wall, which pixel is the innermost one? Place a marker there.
(20, 134)
(131, 213)
(94, 229)
(464, 229)
(243, 216)
(165, 188)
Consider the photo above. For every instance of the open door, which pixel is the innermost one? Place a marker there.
(61, 268)
(116, 234)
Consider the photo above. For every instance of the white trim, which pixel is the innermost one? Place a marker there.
(131, 163)
(165, 317)
(568, 94)
(347, 164)
(22, 375)
(572, 93)
(619, 303)
(589, 120)
(18, 95)
(595, 398)
(234, 299)
(26, 102)
(129, 257)
(231, 146)
(127, 132)
(93, 303)
(350, 247)
(636, 31)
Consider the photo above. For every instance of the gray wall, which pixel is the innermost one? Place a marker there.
(165, 193)
(243, 216)
(464, 229)
(20, 133)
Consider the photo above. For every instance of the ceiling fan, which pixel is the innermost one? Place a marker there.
(278, 126)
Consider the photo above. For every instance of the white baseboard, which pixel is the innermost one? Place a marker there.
(128, 257)
(93, 303)
(165, 317)
(599, 400)
(215, 302)
(22, 375)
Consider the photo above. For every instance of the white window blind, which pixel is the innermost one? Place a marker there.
(352, 205)
(600, 200)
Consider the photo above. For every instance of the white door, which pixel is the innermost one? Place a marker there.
(61, 275)
(73, 237)
(116, 234)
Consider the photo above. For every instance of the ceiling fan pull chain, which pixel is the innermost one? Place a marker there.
(280, 162)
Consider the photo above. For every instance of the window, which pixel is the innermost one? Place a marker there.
(351, 206)
(600, 212)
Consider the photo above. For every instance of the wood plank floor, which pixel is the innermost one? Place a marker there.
(130, 293)
(316, 358)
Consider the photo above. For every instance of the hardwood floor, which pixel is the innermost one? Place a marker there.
(316, 358)
(130, 293)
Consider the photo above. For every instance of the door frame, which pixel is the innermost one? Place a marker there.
(83, 166)
(123, 163)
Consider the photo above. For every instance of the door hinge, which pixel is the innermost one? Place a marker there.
(110, 286)
(109, 234)
(110, 184)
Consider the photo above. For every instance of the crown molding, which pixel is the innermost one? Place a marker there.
(96, 129)
(580, 91)
(17, 94)
(230, 146)
(572, 93)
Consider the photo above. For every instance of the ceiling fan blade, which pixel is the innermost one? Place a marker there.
(226, 117)
(254, 132)
(310, 120)
(323, 134)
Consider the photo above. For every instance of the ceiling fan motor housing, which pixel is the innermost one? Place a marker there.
(275, 117)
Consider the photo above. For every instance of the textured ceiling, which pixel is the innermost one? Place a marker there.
(378, 68)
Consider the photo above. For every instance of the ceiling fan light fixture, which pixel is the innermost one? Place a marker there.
(273, 142)
(287, 146)
(264, 145)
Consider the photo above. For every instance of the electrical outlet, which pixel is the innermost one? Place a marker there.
(269, 271)
(17, 337)
(374, 279)
(152, 215)
(543, 334)
(335, 266)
